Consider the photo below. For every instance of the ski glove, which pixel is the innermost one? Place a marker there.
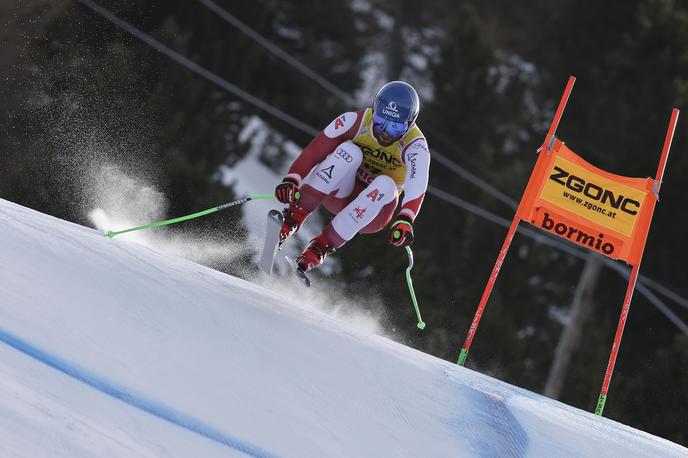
(401, 232)
(287, 191)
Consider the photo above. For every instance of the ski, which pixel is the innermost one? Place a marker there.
(300, 274)
(272, 231)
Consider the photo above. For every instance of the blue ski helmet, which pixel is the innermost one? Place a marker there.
(395, 108)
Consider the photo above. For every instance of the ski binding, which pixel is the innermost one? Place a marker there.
(297, 270)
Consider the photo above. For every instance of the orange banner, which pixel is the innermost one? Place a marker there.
(575, 200)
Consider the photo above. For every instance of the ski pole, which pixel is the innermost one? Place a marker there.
(421, 324)
(111, 234)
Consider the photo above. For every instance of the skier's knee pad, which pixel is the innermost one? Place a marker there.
(350, 153)
(386, 188)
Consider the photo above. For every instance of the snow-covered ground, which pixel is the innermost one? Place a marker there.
(109, 348)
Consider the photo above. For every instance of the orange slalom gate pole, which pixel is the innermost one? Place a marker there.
(562, 105)
(510, 235)
(634, 273)
(488, 290)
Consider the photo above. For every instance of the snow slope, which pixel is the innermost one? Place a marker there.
(108, 348)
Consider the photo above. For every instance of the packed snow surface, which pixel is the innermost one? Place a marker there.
(109, 348)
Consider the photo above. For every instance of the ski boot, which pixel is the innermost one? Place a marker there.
(315, 254)
(293, 217)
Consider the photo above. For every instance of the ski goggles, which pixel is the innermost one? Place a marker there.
(392, 128)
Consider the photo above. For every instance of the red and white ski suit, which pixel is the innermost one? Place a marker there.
(357, 179)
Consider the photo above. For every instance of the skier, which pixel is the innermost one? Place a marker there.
(357, 167)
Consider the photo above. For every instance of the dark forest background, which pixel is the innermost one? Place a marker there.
(489, 72)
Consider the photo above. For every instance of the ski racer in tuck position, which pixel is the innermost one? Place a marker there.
(357, 167)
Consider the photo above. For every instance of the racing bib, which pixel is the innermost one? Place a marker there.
(378, 159)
